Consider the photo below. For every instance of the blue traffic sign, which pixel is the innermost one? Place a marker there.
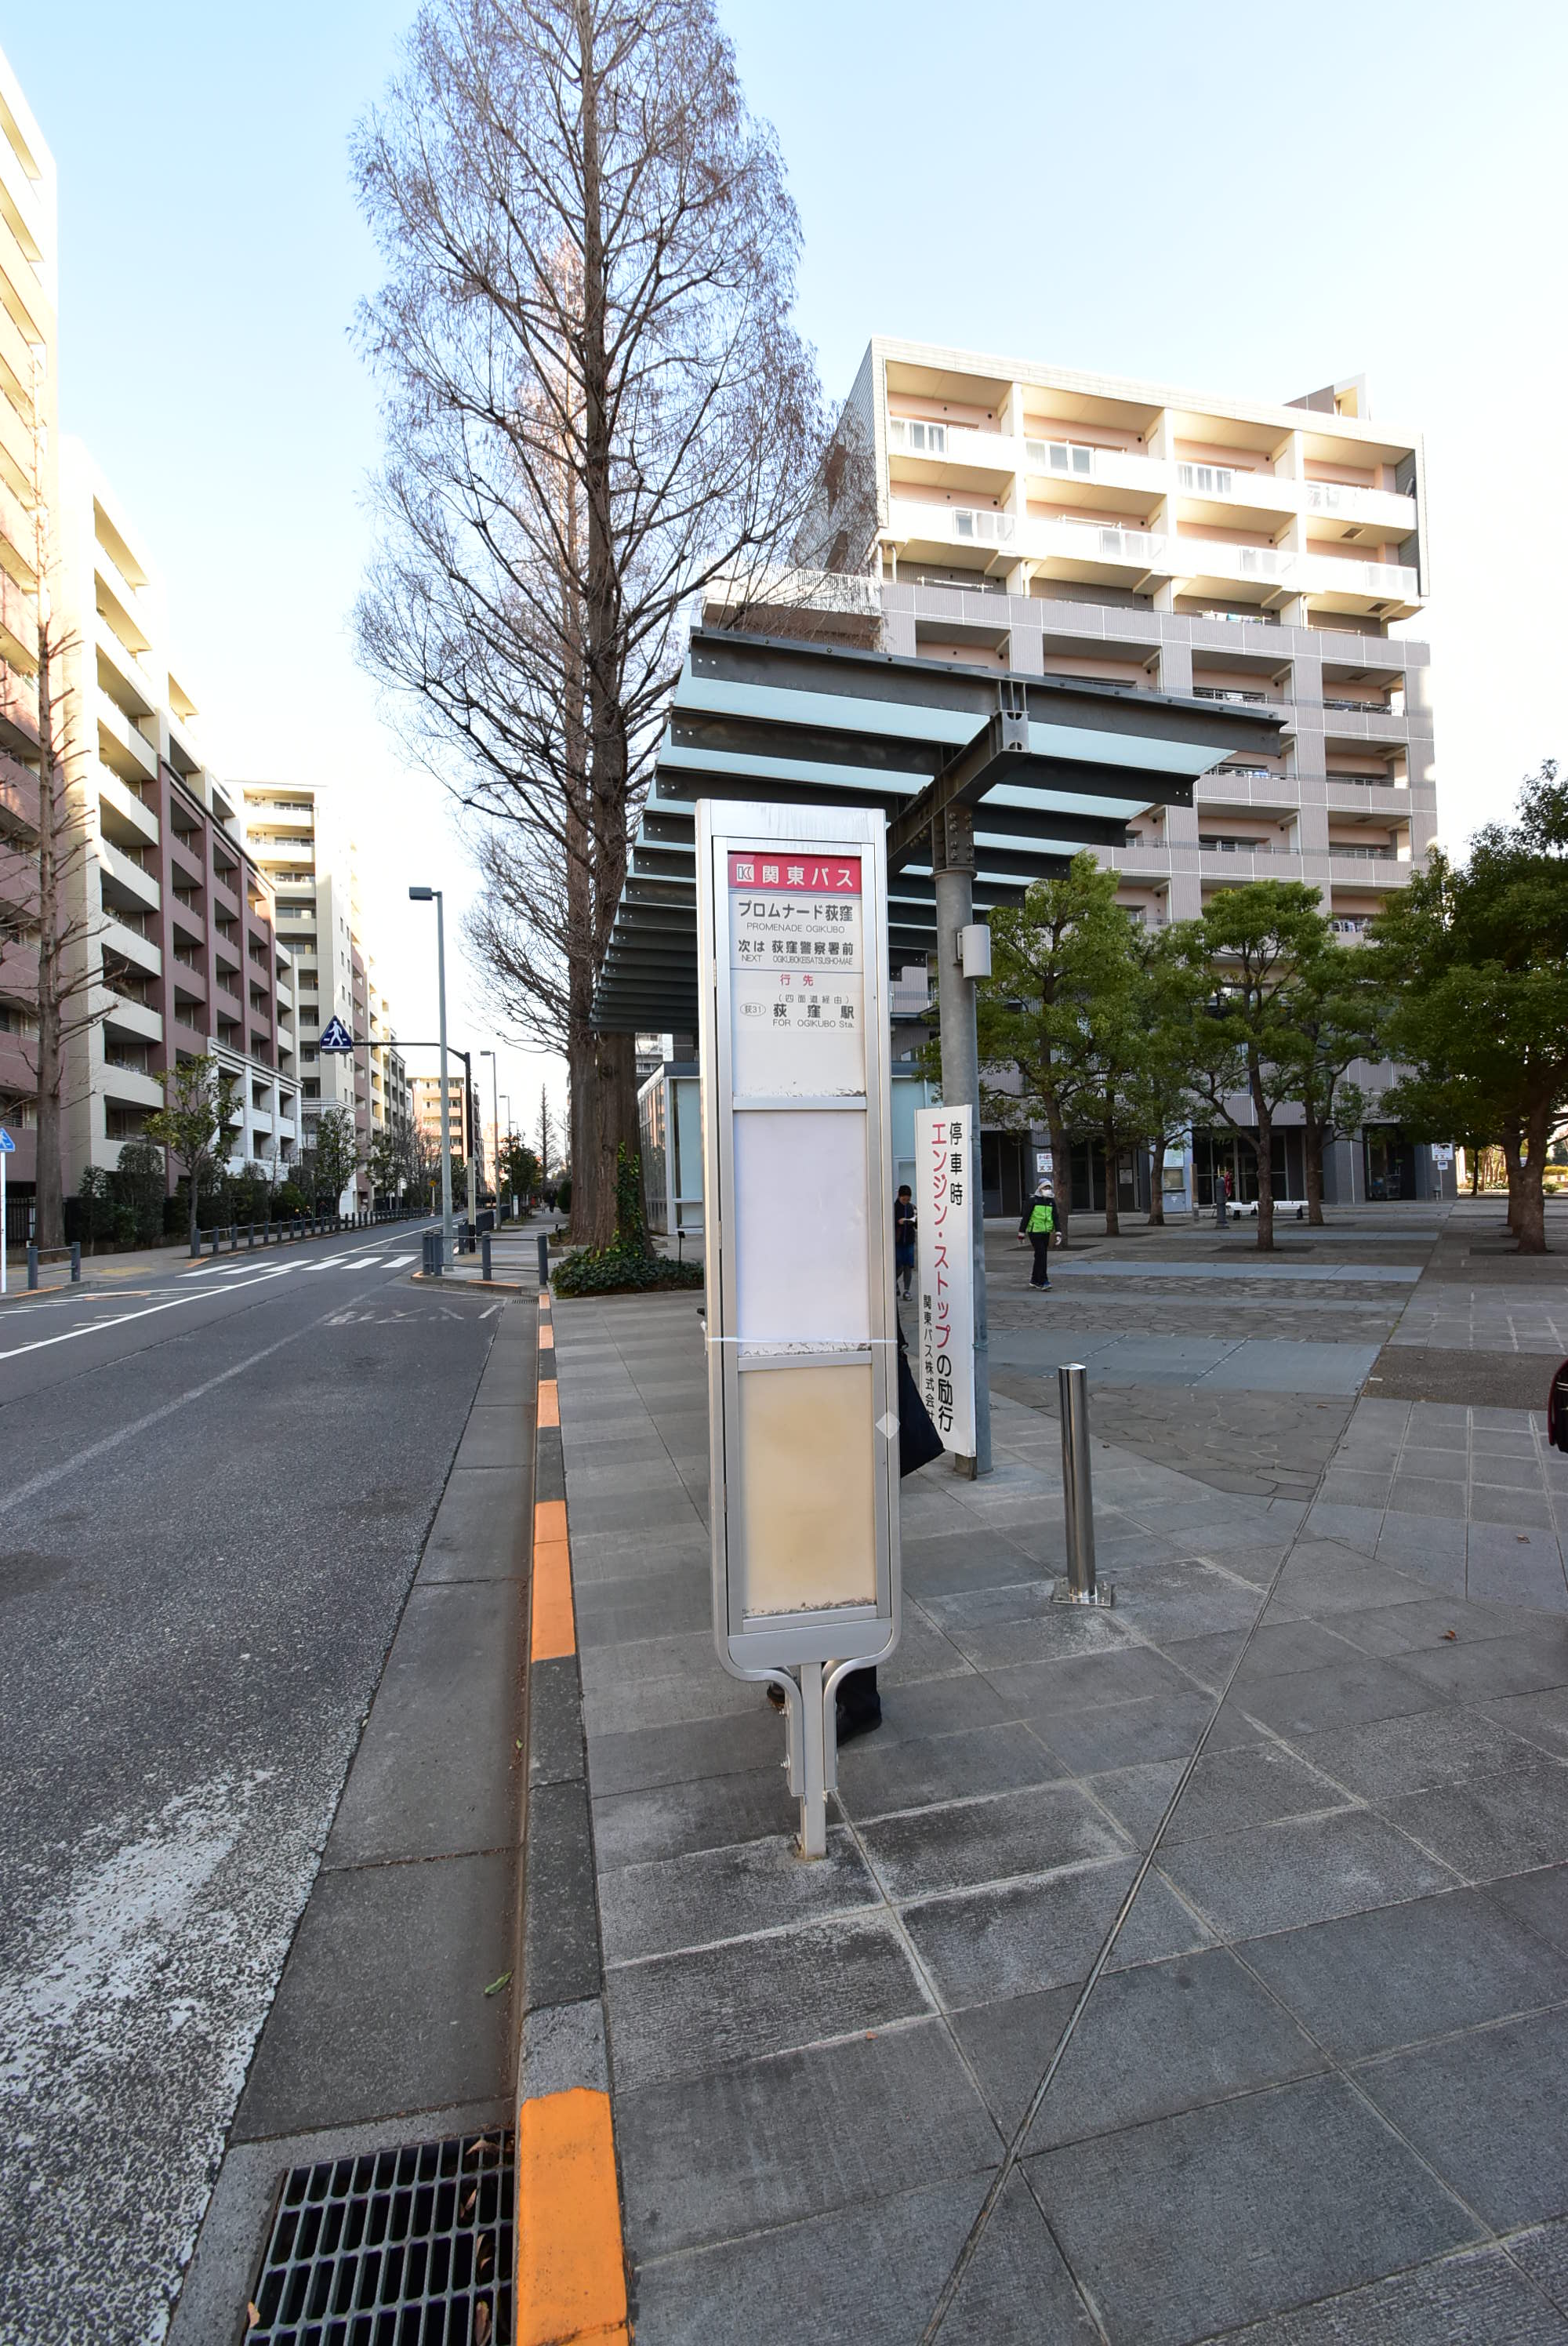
(8, 1146)
(335, 1037)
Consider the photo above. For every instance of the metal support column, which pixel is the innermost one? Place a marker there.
(813, 1764)
(1080, 1586)
(952, 868)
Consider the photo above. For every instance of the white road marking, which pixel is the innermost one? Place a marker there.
(53, 1475)
(94, 1328)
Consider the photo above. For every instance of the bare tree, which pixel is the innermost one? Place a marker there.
(596, 406)
(547, 1138)
(46, 883)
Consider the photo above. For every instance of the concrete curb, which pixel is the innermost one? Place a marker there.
(484, 1286)
(571, 2276)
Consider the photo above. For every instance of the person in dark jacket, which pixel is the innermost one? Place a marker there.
(1037, 1223)
(904, 1238)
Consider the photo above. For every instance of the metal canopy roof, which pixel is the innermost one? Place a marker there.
(1047, 765)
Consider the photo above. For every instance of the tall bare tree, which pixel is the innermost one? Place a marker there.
(595, 406)
(48, 883)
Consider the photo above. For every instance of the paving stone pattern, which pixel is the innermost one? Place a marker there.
(1315, 2095)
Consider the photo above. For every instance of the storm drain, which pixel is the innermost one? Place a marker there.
(397, 2248)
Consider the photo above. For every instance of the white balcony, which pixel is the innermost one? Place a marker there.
(115, 936)
(1072, 464)
(1128, 556)
(1361, 508)
(1384, 582)
(118, 1015)
(952, 443)
(120, 808)
(124, 881)
(121, 747)
(132, 1087)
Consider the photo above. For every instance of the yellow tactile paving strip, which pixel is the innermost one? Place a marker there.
(571, 2262)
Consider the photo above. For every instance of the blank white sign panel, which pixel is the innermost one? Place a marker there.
(801, 1261)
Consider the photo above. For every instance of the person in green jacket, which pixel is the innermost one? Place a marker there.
(1037, 1223)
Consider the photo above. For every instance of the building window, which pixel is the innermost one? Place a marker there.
(1059, 456)
(1205, 480)
(922, 439)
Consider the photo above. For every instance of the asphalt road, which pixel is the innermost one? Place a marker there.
(214, 1490)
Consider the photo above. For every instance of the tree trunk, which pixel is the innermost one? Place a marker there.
(611, 1118)
(195, 1241)
(1061, 1169)
(1264, 1181)
(611, 1105)
(1265, 1153)
(1513, 1147)
(1315, 1139)
(1157, 1182)
(1527, 1200)
(1113, 1219)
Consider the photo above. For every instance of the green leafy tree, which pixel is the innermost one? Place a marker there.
(1248, 953)
(384, 1164)
(331, 1164)
(629, 1263)
(1337, 1006)
(1054, 1007)
(1156, 1084)
(201, 1099)
(141, 1184)
(95, 1206)
(1479, 955)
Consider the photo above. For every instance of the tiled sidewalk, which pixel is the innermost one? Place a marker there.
(1470, 1498)
(1489, 1319)
(1315, 2088)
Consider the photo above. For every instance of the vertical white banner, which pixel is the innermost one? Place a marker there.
(944, 1350)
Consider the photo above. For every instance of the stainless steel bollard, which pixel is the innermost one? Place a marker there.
(32, 1267)
(1077, 1495)
(76, 1262)
(485, 1255)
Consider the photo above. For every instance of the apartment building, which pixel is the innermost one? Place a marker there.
(298, 838)
(399, 1101)
(462, 1117)
(1038, 521)
(29, 493)
(173, 947)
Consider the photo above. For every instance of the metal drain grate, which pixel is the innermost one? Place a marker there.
(398, 2248)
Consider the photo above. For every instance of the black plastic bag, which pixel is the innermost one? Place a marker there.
(918, 1441)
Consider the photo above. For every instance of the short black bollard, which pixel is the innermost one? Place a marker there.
(233, 1238)
(544, 1259)
(249, 1238)
(75, 1262)
(32, 1266)
(216, 1238)
(485, 1256)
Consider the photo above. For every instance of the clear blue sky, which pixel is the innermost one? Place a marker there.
(1222, 195)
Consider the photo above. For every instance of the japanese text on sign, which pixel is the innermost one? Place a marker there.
(944, 1171)
(796, 960)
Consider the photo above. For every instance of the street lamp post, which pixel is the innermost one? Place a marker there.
(494, 1127)
(425, 896)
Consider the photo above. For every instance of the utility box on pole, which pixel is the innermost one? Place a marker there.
(802, 1327)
